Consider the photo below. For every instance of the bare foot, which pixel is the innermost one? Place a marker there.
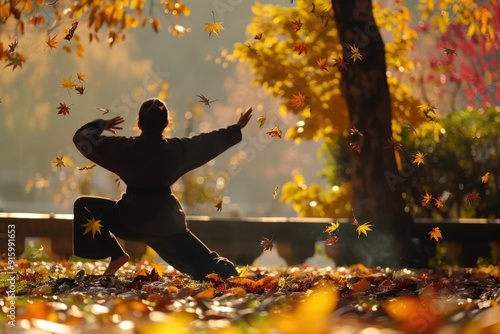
(116, 264)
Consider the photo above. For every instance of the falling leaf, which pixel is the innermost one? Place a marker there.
(300, 47)
(332, 239)
(68, 32)
(333, 227)
(355, 147)
(205, 100)
(63, 109)
(396, 146)
(298, 101)
(37, 20)
(449, 52)
(355, 131)
(253, 50)
(427, 109)
(258, 36)
(90, 166)
(296, 25)
(59, 162)
(364, 228)
(472, 198)
(485, 177)
(51, 42)
(435, 234)
(218, 205)
(68, 82)
(426, 199)
(438, 202)
(104, 110)
(275, 192)
(15, 61)
(275, 132)
(92, 225)
(13, 46)
(155, 23)
(81, 76)
(80, 89)
(418, 158)
(214, 27)
(323, 63)
(267, 244)
(261, 120)
(340, 64)
(354, 220)
(355, 55)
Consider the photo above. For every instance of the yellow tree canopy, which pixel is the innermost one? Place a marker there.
(295, 52)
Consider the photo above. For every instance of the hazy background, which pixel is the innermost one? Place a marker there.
(32, 134)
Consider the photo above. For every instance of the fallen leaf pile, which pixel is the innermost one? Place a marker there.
(59, 297)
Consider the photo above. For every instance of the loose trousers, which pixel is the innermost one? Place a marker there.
(183, 251)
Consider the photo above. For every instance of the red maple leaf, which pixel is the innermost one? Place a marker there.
(63, 109)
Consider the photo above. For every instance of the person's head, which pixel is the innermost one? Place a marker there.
(153, 116)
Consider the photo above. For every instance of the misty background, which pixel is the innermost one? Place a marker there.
(119, 78)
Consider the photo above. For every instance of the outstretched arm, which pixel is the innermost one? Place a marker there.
(200, 149)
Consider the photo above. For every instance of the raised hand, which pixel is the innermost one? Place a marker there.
(244, 118)
(111, 124)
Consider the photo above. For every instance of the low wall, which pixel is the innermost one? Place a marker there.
(239, 238)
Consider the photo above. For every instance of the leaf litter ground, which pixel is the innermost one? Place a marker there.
(72, 297)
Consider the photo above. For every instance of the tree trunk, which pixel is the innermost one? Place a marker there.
(376, 182)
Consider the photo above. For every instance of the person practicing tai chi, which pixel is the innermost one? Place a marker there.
(148, 211)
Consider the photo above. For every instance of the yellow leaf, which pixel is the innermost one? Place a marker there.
(158, 267)
(93, 226)
(364, 228)
(215, 27)
(333, 227)
(68, 82)
(59, 162)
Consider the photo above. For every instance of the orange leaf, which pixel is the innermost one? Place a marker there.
(419, 158)
(298, 101)
(206, 294)
(485, 177)
(435, 234)
(275, 132)
(296, 25)
(426, 199)
(81, 76)
(300, 48)
(323, 63)
(51, 42)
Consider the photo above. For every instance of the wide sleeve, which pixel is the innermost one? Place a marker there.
(200, 149)
(103, 150)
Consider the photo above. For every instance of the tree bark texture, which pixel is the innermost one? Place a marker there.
(376, 182)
